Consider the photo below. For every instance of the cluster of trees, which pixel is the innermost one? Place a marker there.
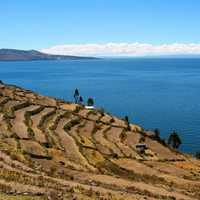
(174, 139)
(79, 99)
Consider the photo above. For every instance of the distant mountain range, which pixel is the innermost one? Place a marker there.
(30, 55)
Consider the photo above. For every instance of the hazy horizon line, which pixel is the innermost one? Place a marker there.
(186, 50)
(124, 49)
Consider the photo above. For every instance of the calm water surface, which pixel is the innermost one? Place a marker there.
(155, 93)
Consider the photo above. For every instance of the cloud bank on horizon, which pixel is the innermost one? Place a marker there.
(124, 49)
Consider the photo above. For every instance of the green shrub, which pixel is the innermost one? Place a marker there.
(197, 155)
(90, 101)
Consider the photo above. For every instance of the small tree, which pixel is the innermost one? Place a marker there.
(197, 155)
(174, 140)
(157, 134)
(80, 99)
(126, 119)
(76, 95)
(90, 101)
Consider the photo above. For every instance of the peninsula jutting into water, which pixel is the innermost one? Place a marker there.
(84, 153)
(30, 55)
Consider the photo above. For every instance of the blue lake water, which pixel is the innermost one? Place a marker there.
(154, 93)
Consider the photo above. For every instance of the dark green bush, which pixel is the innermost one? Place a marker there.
(197, 155)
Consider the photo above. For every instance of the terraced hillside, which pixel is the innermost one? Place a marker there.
(51, 149)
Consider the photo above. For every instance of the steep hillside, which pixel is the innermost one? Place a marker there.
(51, 149)
(22, 55)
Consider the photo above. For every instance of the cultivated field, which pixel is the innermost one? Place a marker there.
(54, 150)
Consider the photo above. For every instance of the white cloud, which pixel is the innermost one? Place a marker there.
(124, 49)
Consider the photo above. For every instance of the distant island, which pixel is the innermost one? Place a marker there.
(30, 55)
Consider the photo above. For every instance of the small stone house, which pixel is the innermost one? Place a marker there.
(140, 147)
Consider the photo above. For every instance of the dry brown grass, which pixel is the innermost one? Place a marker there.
(86, 155)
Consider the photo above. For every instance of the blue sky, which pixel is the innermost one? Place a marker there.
(38, 24)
